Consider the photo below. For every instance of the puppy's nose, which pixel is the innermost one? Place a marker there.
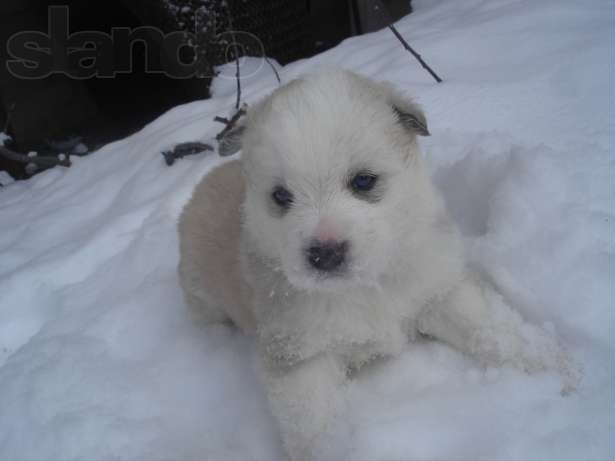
(327, 256)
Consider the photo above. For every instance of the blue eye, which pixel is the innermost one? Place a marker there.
(363, 182)
(282, 197)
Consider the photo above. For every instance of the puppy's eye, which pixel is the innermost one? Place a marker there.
(363, 182)
(282, 197)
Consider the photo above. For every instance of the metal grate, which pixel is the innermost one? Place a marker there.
(281, 25)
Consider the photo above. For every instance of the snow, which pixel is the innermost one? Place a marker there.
(5, 178)
(80, 149)
(4, 138)
(99, 360)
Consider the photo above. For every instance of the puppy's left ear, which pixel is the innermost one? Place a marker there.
(409, 113)
(229, 143)
(230, 139)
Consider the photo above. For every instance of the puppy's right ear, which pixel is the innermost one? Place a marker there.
(229, 141)
(409, 113)
(413, 119)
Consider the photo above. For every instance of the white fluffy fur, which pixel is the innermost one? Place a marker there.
(241, 259)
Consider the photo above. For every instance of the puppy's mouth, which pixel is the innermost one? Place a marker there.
(339, 274)
(313, 280)
(340, 278)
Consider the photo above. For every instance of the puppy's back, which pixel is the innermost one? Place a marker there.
(209, 231)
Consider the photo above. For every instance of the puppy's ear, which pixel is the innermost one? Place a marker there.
(412, 118)
(410, 115)
(229, 142)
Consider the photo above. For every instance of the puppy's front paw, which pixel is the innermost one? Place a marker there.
(530, 349)
(570, 371)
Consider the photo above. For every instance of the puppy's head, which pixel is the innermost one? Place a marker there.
(335, 186)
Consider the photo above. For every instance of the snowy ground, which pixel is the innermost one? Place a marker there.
(98, 360)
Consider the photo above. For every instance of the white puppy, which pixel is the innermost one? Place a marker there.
(329, 242)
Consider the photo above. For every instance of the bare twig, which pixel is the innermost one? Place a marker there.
(236, 50)
(219, 119)
(237, 75)
(184, 149)
(275, 71)
(414, 53)
(9, 115)
(40, 162)
(230, 124)
(34, 162)
(193, 148)
(381, 9)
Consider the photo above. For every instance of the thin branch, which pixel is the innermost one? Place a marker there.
(219, 119)
(40, 162)
(230, 124)
(237, 75)
(9, 115)
(184, 149)
(275, 71)
(236, 49)
(414, 53)
(34, 162)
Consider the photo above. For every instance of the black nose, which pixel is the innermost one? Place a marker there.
(327, 256)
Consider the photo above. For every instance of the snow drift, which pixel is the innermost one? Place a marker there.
(99, 360)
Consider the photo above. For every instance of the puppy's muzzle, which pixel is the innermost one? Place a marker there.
(327, 256)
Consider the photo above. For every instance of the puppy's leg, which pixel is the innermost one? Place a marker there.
(202, 309)
(305, 399)
(479, 323)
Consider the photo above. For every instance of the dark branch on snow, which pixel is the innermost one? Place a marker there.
(193, 148)
(414, 53)
(236, 51)
(184, 149)
(9, 114)
(275, 71)
(39, 162)
(230, 124)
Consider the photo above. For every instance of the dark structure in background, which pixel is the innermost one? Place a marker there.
(100, 110)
